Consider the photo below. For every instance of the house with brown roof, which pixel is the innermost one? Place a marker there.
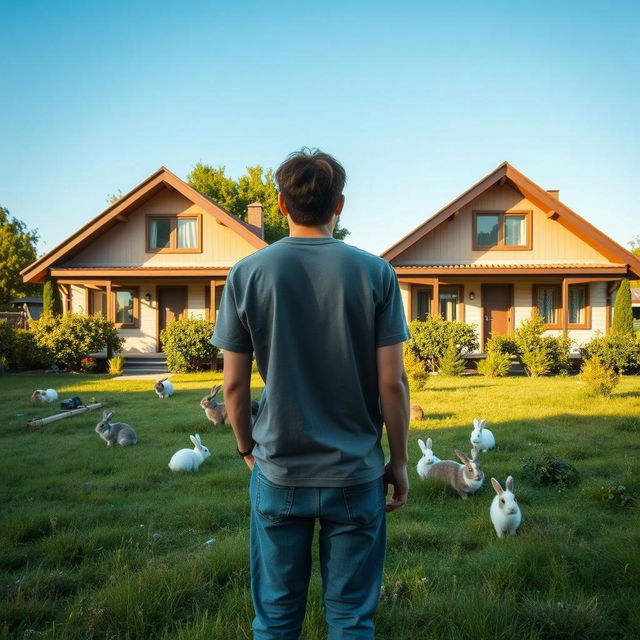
(505, 247)
(161, 251)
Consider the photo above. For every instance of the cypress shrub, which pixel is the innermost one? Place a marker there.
(452, 362)
(51, 302)
(622, 312)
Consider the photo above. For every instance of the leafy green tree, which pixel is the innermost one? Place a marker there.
(256, 185)
(17, 251)
(622, 312)
(51, 302)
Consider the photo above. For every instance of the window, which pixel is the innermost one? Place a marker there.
(449, 302)
(578, 306)
(173, 234)
(424, 297)
(126, 308)
(501, 230)
(98, 302)
(546, 298)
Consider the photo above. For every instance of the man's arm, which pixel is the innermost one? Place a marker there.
(393, 388)
(237, 398)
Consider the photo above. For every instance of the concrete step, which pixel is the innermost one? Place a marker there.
(141, 365)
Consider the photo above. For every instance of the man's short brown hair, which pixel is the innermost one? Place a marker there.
(311, 183)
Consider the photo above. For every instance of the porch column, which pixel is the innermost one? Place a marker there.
(565, 306)
(110, 305)
(212, 299)
(64, 296)
(435, 303)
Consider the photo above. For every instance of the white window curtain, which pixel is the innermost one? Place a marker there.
(154, 234)
(515, 231)
(547, 304)
(576, 305)
(187, 233)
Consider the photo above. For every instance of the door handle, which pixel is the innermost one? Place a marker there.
(486, 318)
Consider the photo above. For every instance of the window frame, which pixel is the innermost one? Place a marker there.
(135, 292)
(459, 304)
(414, 299)
(90, 308)
(528, 214)
(173, 232)
(558, 307)
(587, 307)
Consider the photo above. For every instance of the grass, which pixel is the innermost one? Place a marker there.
(100, 542)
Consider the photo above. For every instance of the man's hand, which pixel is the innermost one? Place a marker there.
(396, 475)
(250, 460)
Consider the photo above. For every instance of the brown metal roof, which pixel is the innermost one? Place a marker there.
(498, 265)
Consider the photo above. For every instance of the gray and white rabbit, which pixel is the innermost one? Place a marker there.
(44, 395)
(216, 411)
(482, 437)
(115, 432)
(428, 459)
(505, 512)
(465, 478)
(189, 459)
(163, 388)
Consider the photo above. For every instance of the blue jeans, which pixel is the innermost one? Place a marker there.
(352, 546)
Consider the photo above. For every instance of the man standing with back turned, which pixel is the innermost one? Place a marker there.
(326, 324)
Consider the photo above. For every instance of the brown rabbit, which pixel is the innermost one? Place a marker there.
(464, 478)
(215, 411)
(416, 413)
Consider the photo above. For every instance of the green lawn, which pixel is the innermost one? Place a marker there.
(100, 542)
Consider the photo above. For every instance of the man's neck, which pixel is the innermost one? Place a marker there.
(302, 231)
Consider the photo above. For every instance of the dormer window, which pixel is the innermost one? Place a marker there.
(507, 231)
(174, 233)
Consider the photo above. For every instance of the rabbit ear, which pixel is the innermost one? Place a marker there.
(215, 390)
(475, 452)
(195, 441)
(476, 423)
(429, 443)
(509, 484)
(422, 447)
(110, 414)
(496, 485)
(105, 413)
(483, 423)
(463, 456)
(198, 439)
(160, 381)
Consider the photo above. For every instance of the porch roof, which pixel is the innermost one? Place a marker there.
(496, 268)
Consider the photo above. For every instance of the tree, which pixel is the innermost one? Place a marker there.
(256, 185)
(622, 312)
(635, 249)
(17, 251)
(51, 302)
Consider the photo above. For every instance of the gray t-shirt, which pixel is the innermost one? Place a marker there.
(314, 310)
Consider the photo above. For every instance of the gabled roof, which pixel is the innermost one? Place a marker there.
(117, 212)
(553, 208)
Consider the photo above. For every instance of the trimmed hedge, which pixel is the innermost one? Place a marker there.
(187, 344)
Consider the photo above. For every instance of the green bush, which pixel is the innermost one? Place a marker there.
(6, 341)
(618, 496)
(622, 312)
(187, 344)
(72, 337)
(431, 337)
(600, 379)
(51, 302)
(541, 355)
(550, 470)
(415, 370)
(495, 365)
(499, 343)
(451, 363)
(26, 353)
(620, 352)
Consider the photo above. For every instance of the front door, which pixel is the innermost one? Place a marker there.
(496, 302)
(172, 302)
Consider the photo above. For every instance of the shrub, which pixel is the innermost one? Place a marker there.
(72, 337)
(600, 379)
(116, 365)
(618, 496)
(550, 470)
(541, 355)
(414, 369)
(451, 363)
(6, 341)
(431, 337)
(498, 343)
(26, 353)
(187, 344)
(617, 351)
(495, 365)
(51, 302)
(622, 312)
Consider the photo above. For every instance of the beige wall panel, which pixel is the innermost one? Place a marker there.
(404, 294)
(522, 301)
(195, 301)
(78, 298)
(451, 242)
(125, 244)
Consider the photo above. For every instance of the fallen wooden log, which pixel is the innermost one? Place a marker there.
(36, 423)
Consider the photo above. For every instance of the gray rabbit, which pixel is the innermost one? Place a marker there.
(115, 432)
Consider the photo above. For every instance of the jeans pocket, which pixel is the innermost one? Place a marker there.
(273, 501)
(364, 502)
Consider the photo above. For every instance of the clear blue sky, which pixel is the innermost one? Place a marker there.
(419, 100)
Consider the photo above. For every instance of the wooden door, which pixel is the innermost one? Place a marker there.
(172, 303)
(497, 309)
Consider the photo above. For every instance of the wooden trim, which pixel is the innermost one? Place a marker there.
(559, 308)
(140, 272)
(510, 316)
(110, 314)
(135, 291)
(465, 271)
(173, 233)
(501, 233)
(435, 301)
(587, 306)
(64, 291)
(565, 306)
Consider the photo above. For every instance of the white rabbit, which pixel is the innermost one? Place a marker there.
(189, 459)
(481, 437)
(464, 478)
(44, 395)
(428, 459)
(505, 512)
(163, 388)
